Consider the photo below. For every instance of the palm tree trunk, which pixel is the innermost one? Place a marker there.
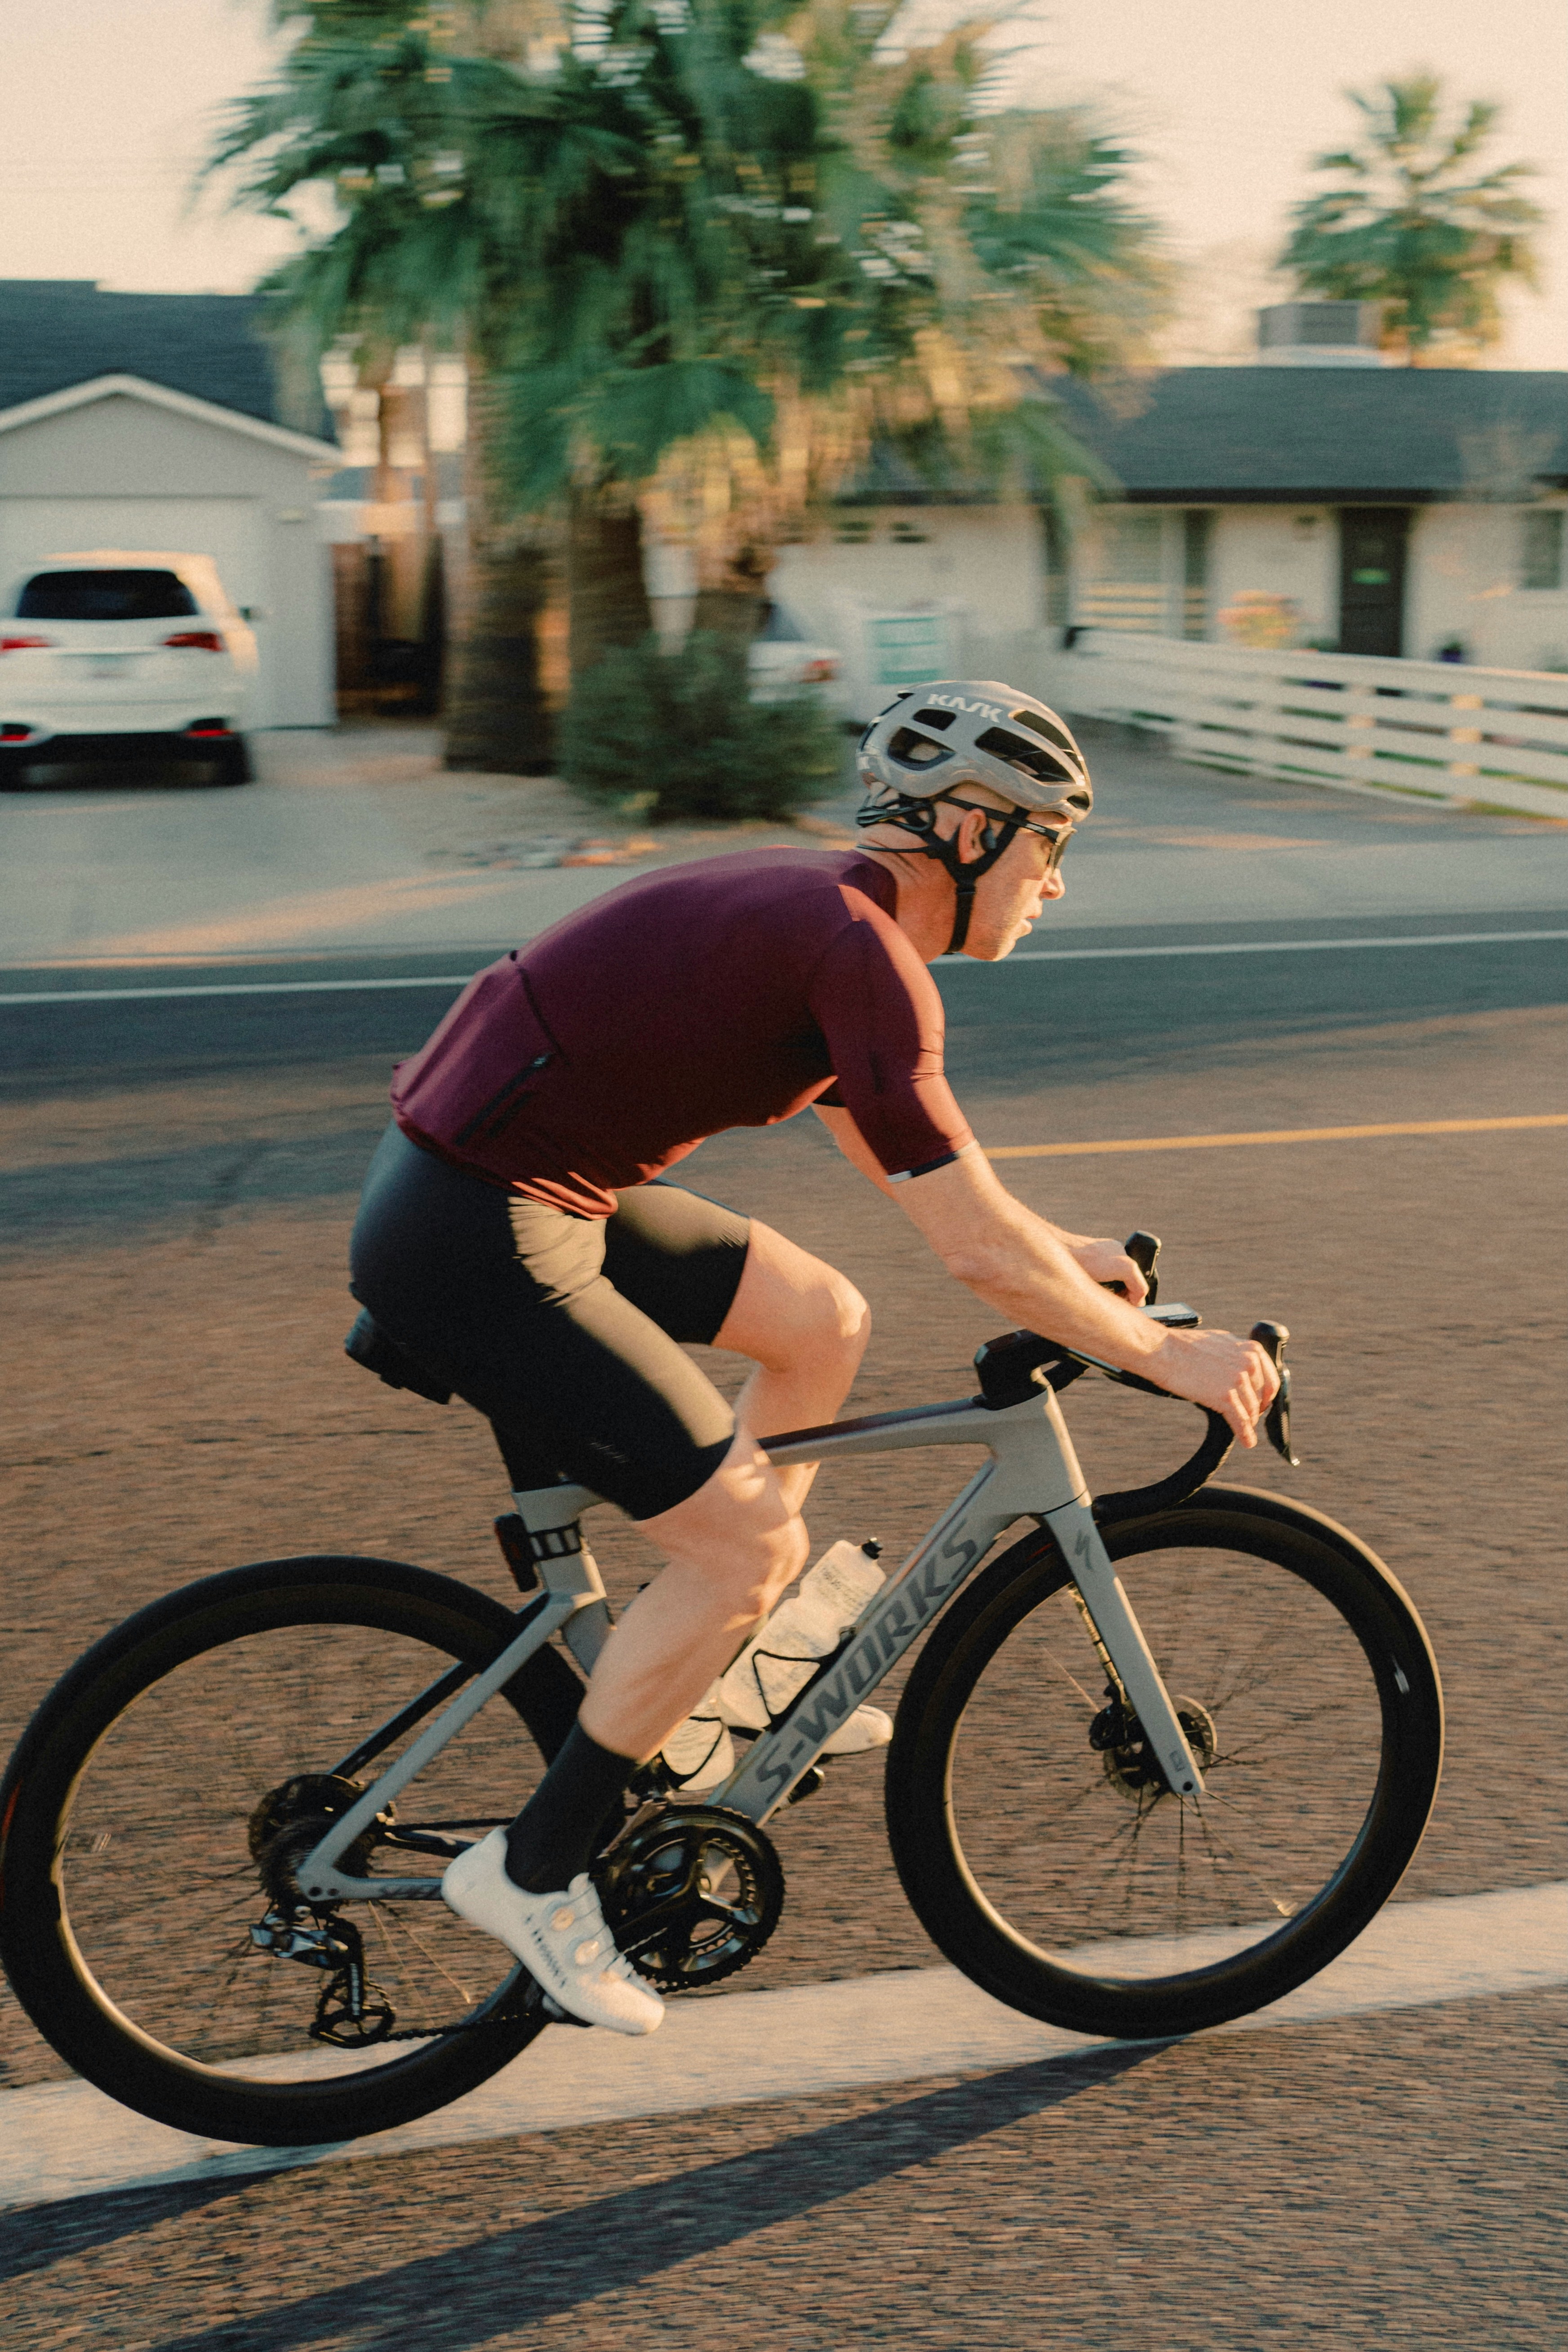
(498, 717)
(604, 582)
(732, 603)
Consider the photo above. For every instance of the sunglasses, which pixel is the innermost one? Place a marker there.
(1058, 835)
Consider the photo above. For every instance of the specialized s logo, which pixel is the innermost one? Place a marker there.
(957, 702)
(887, 1632)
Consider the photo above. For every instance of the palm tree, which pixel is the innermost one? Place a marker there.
(655, 250)
(946, 258)
(1415, 226)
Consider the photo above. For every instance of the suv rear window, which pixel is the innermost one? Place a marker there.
(105, 596)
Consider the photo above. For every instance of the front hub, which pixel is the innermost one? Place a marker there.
(1130, 1764)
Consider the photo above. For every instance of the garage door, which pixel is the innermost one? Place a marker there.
(231, 530)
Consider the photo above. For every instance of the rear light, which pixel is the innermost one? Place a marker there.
(14, 734)
(206, 641)
(816, 672)
(203, 726)
(22, 645)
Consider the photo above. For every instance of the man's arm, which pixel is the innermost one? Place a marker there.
(1102, 1260)
(1049, 1281)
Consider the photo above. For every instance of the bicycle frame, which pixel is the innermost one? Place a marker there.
(1033, 1473)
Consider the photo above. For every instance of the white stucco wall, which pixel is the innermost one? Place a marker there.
(1290, 551)
(976, 574)
(120, 472)
(1464, 582)
(1462, 579)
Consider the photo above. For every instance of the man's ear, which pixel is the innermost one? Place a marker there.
(980, 837)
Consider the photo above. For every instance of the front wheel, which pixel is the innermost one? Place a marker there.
(159, 1802)
(1037, 1839)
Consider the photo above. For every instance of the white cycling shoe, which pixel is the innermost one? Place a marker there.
(560, 1940)
(867, 1727)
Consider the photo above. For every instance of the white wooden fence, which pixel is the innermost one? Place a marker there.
(1498, 738)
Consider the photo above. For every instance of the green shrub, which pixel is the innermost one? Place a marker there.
(665, 736)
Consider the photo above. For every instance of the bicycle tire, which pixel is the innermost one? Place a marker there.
(1064, 1881)
(112, 1962)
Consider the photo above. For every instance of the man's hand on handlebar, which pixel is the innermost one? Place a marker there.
(1107, 1263)
(1229, 1376)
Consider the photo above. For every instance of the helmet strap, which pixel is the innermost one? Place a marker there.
(919, 817)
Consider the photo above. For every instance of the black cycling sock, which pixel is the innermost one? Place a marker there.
(557, 1832)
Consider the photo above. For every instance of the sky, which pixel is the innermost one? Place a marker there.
(107, 105)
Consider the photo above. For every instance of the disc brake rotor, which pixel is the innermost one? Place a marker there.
(1131, 1766)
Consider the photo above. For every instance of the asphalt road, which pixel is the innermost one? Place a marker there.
(176, 1176)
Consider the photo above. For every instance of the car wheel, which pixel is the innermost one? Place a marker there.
(232, 761)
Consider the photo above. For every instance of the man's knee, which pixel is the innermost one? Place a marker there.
(831, 1318)
(737, 1533)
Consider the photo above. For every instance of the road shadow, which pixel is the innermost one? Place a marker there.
(471, 2293)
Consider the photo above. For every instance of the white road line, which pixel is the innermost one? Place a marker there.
(1260, 947)
(233, 988)
(66, 2140)
(1027, 955)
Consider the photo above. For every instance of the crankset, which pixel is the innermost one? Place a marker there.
(691, 1894)
(1131, 1764)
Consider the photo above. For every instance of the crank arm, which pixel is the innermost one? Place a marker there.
(1099, 1588)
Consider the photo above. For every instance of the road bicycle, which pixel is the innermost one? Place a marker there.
(1155, 1764)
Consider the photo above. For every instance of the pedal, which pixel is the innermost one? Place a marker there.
(556, 2014)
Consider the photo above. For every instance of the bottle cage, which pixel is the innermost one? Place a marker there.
(919, 818)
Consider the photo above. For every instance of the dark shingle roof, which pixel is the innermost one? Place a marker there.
(59, 331)
(1401, 435)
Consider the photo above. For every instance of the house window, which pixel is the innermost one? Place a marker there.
(1541, 548)
(1197, 524)
(1127, 589)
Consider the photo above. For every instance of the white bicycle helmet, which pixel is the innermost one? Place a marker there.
(934, 739)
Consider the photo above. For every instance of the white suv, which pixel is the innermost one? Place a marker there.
(119, 657)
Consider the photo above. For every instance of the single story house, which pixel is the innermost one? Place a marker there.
(159, 422)
(1392, 510)
(1414, 512)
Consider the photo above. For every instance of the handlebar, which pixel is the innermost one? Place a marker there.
(1013, 1365)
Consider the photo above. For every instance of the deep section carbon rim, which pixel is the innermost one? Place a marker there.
(1068, 1878)
(179, 1784)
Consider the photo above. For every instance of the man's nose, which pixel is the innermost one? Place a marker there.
(1054, 885)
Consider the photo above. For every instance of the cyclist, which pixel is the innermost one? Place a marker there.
(516, 1235)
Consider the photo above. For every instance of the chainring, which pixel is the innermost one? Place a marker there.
(691, 1894)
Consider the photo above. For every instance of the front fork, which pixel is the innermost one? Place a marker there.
(1119, 1639)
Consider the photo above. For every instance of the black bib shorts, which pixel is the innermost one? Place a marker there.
(565, 1331)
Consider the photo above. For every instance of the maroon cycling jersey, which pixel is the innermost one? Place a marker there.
(727, 993)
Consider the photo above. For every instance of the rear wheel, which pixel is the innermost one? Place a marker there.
(1037, 1838)
(157, 1806)
(232, 761)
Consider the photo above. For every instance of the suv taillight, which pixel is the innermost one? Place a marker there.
(817, 673)
(206, 641)
(22, 645)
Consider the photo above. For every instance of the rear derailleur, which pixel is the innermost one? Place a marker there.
(350, 2013)
(286, 1825)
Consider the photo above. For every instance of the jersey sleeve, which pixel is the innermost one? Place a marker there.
(878, 1010)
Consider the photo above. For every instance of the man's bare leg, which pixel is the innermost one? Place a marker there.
(734, 1545)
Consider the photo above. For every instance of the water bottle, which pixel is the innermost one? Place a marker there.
(700, 1752)
(779, 1661)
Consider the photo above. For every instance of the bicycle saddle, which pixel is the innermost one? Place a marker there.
(369, 1345)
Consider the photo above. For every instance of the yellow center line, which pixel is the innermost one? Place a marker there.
(1274, 1135)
